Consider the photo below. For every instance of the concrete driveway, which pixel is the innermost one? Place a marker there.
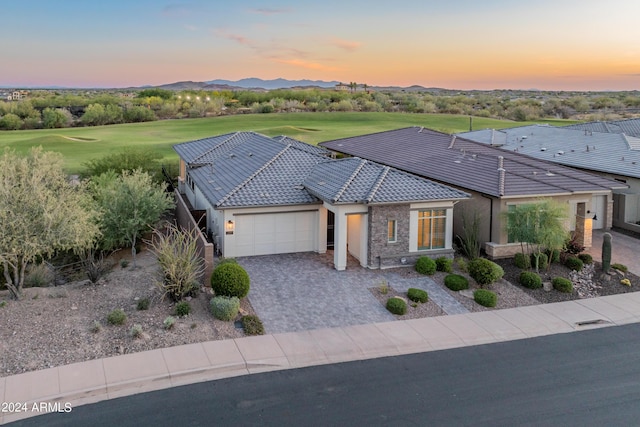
(302, 291)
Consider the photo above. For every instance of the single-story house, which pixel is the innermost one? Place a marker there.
(260, 195)
(613, 155)
(498, 180)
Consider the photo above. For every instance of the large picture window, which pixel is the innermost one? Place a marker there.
(432, 226)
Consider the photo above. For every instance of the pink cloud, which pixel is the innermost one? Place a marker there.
(347, 45)
(235, 37)
(306, 64)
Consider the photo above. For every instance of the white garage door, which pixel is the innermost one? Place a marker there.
(277, 233)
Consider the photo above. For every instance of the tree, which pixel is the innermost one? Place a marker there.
(138, 113)
(130, 204)
(129, 159)
(538, 225)
(55, 118)
(10, 122)
(41, 213)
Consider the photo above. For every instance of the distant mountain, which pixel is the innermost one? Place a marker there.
(252, 83)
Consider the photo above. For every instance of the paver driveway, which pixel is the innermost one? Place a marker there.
(302, 291)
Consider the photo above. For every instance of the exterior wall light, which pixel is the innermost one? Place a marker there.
(229, 227)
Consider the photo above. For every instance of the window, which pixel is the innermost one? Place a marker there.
(392, 231)
(432, 229)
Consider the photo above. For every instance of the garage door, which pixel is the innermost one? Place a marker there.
(277, 233)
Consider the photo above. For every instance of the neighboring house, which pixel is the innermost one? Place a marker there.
(630, 127)
(498, 180)
(261, 195)
(611, 155)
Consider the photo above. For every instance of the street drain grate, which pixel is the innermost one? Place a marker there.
(592, 322)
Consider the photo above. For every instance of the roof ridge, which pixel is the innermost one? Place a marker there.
(350, 180)
(233, 135)
(252, 176)
(378, 183)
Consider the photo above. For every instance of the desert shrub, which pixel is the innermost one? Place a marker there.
(183, 308)
(521, 260)
(169, 322)
(543, 260)
(38, 276)
(182, 267)
(417, 295)
(461, 263)
(95, 266)
(397, 306)
(563, 285)
(143, 304)
(455, 282)
(425, 265)
(572, 246)
(124, 263)
(530, 280)
(117, 317)
(224, 307)
(586, 258)
(484, 271)
(485, 298)
(230, 280)
(574, 263)
(620, 267)
(252, 325)
(136, 331)
(444, 264)
(95, 327)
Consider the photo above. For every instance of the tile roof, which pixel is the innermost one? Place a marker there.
(629, 127)
(247, 169)
(599, 152)
(355, 180)
(469, 165)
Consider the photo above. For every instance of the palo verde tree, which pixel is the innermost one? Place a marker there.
(537, 226)
(41, 213)
(130, 204)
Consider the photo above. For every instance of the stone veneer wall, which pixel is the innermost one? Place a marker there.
(382, 253)
(186, 221)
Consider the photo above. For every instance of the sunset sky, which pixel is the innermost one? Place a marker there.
(455, 44)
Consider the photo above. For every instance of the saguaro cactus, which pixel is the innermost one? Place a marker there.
(606, 252)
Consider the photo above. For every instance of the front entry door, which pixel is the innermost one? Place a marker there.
(331, 222)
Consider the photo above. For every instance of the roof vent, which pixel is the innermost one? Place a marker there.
(524, 136)
(232, 155)
(298, 187)
(560, 153)
(457, 161)
(543, 149)
(549, 173)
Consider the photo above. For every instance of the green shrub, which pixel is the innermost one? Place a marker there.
(530, 280)
(230, 280)
(95, 327)
(543, 260)
(563, 285)
(117, 317)
(169, 322)
(183, 308)
(461, 263)
(484, 271)
(553, 255)
(124, 263)
(252, 325)
(143, 304)
(620, 267)
(136, 331)
(521, 260)
(225, 308)
(586, 258)
(417, 295)
(455, 282)
(3, 304)
(485, 298)
(574, 263)
(425, 265)
(444, 264)
(38, 276)
(397, 305)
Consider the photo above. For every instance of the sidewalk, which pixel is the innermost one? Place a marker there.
(96, 380)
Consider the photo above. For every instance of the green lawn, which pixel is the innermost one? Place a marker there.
(78, 145)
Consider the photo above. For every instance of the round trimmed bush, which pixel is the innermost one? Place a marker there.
(574, 263)
(521, 260)
(485, 271)
(444, 264)
(117, 317)
(417, 295)
(456, 282)
(397, 306)
(485, 298)
(425, 265)
(183, 308)
(530, 280)
(586, 258)
(230, 280)
(562, 285)
(225, 308)
(543, 260)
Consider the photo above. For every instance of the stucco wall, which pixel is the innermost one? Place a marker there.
(186, 221)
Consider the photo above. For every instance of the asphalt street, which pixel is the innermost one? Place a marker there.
(589, 378)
